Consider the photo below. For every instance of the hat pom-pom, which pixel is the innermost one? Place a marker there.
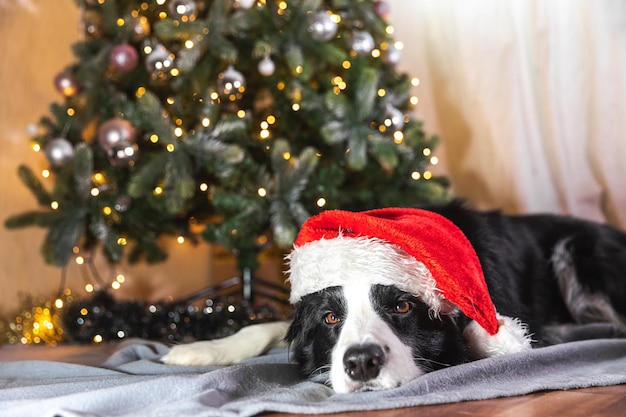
(512, 337)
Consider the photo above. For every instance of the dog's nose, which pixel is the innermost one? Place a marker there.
(363, 362)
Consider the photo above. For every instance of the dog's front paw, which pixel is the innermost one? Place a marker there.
(248, 342)
(205, 353)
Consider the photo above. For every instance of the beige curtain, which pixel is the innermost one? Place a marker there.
(529, 98)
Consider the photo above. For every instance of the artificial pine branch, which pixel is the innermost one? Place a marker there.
(62, 236)
(34, 185)
(83, 170)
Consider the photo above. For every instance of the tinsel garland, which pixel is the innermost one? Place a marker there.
(104, 319)
(100, 318)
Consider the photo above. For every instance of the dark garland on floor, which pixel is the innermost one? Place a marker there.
(101, 318)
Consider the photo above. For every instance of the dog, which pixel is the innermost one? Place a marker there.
(361, 323)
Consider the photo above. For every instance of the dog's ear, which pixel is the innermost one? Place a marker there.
(295, 328)
(449, 309)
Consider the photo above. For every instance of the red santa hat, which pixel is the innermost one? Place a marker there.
(418, 251)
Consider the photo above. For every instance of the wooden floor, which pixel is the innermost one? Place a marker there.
(589, 402)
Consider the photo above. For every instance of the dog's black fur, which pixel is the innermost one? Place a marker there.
(564, 277)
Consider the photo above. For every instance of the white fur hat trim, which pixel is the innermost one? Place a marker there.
(332, 262)
(512, 337)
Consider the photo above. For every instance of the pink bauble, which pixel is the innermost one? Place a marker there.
(114, 131)
(382, 8)
(124, 58)
(66, 83)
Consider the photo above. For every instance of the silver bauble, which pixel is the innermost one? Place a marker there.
(266, 66)
(122, 203)
(322, 26)
(115, 131)
(59, 152)
(183, 8)
(231, 83)
(159, 61)
(392, 55)
(124, 154)
(245, 4)
(362, 42)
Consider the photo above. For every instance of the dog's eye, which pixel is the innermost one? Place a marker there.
(402, 307)
(331, 318)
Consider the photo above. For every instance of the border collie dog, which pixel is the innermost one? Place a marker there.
(384, 296)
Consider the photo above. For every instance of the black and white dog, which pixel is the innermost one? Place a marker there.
(382, 297)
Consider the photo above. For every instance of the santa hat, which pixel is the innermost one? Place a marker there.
(418, 251)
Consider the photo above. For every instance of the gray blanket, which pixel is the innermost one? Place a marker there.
(132, 382)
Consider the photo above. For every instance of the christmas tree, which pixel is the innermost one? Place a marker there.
(228, 121)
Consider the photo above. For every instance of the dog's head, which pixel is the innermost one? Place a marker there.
(370, 337)
(364, 319)
(377, 293)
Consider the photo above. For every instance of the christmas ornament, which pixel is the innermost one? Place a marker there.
(245, 4)
(362, 42)
(231, 83)
(59, 152)
(394, 119)
(114, 131)
(392, 55)
(266, 66)
(122, 203)
(141, 28)
(123, 154)
(382, 8)
(322, 26)
(159, 61)
(183, 9)
(123, 58)
(418, 251)
(66, 84)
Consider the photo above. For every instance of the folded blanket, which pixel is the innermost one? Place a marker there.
(132, 382)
